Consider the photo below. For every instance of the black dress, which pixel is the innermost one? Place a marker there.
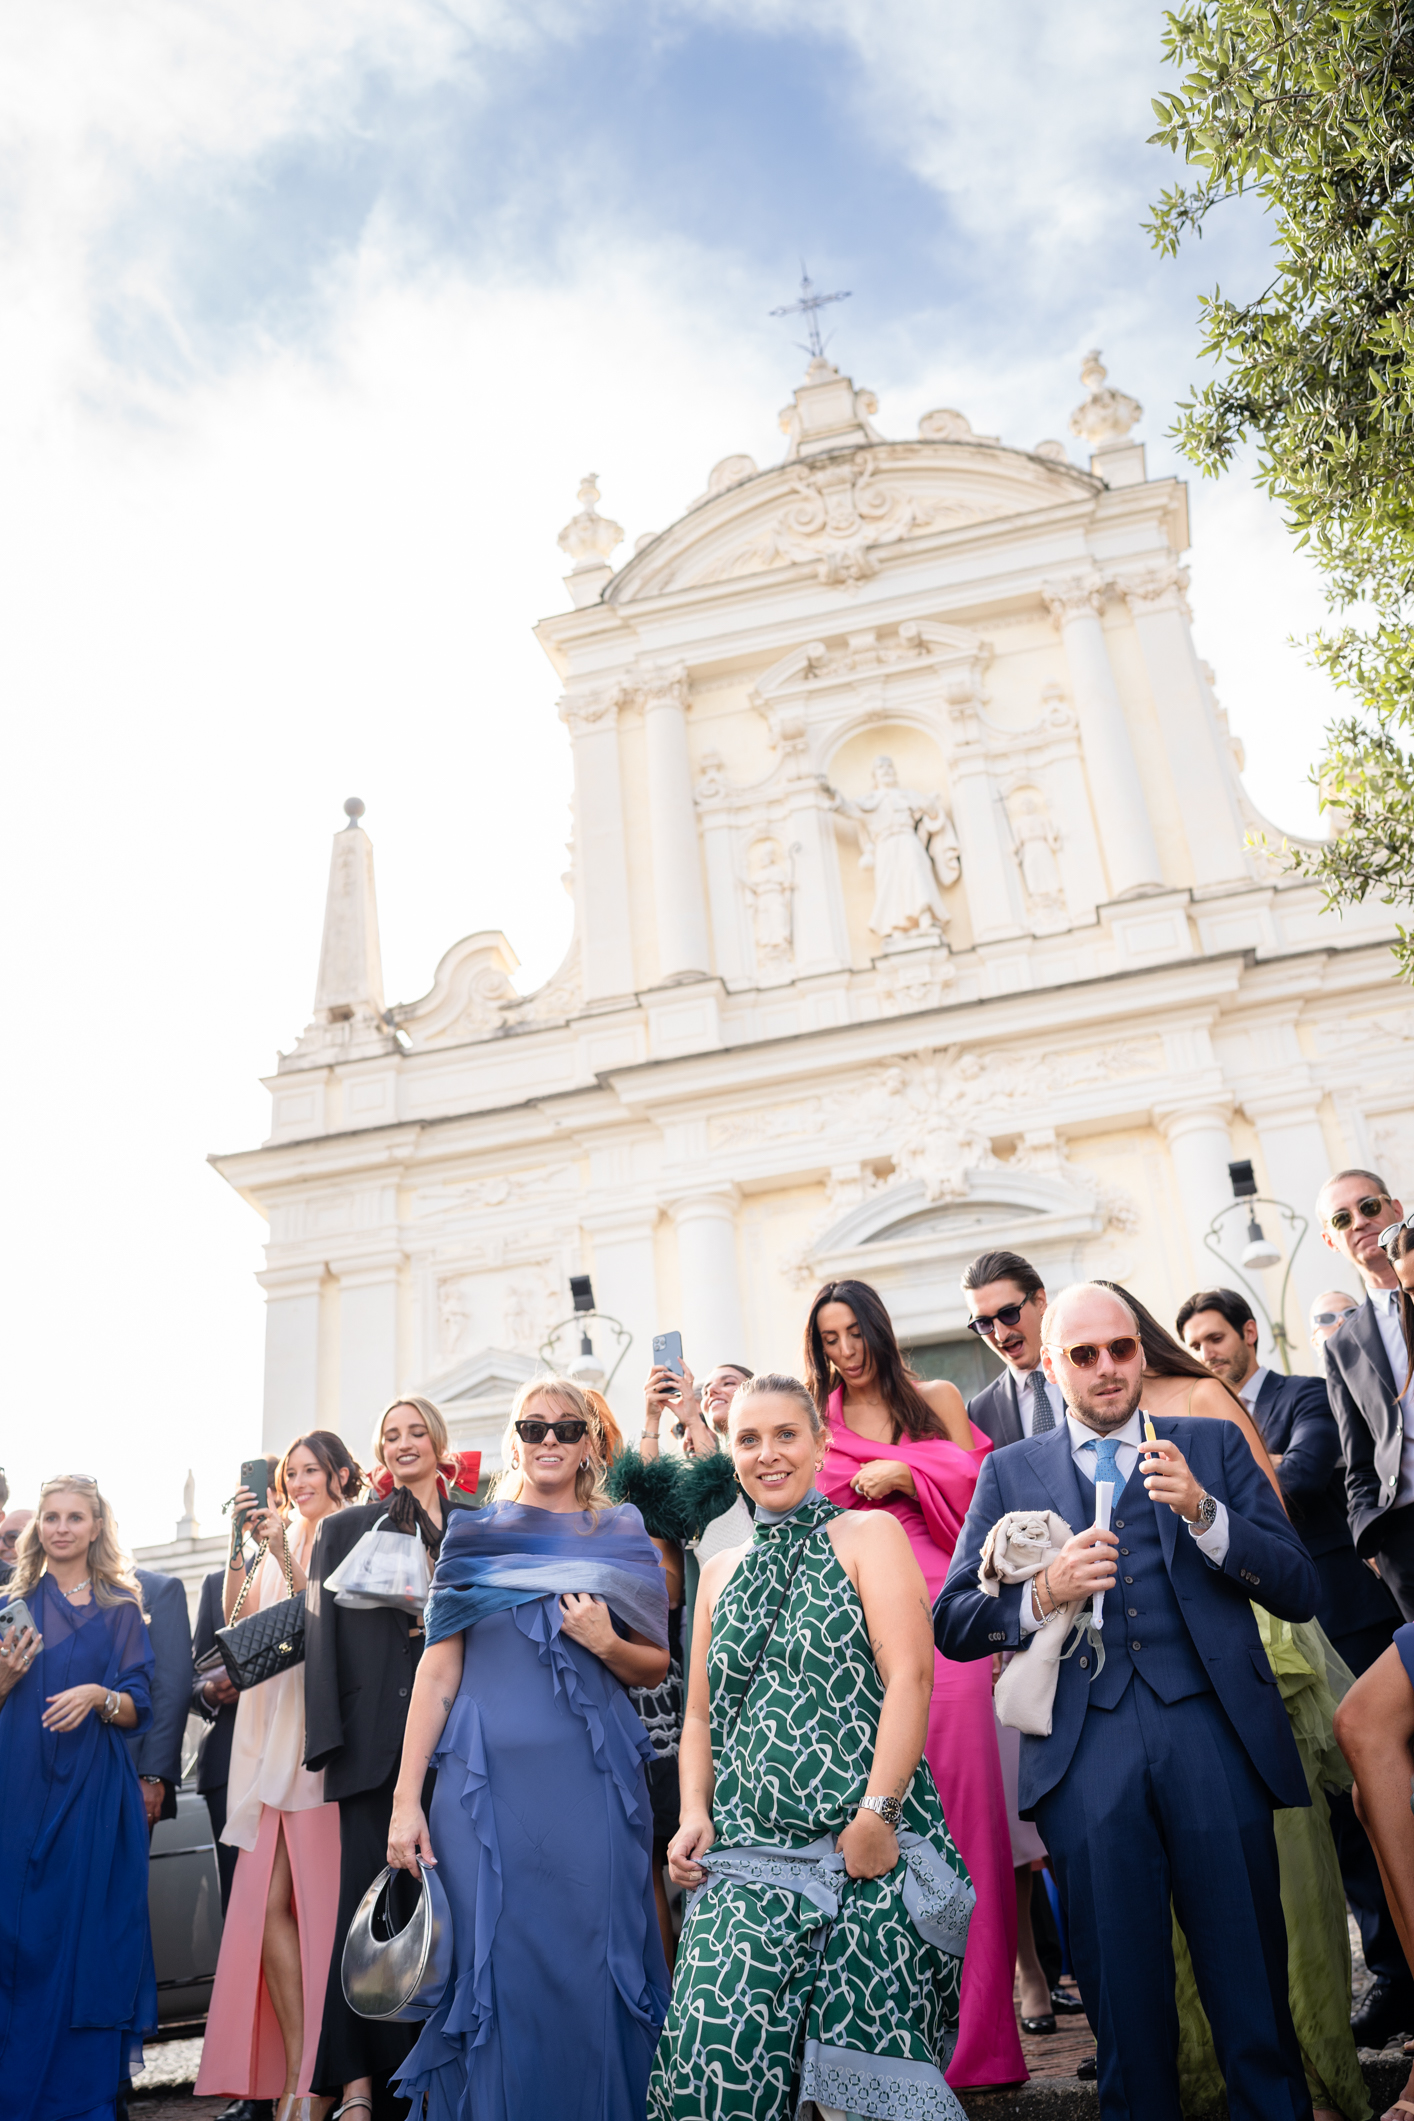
(358, 1674)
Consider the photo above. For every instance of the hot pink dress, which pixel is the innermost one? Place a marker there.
(961, 1747)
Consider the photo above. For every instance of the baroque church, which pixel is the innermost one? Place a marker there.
(953, 927)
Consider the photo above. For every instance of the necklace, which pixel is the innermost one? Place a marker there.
(73, 1594)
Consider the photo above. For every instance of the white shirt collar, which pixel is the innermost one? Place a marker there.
(1249, 1391)
(1080, 1435)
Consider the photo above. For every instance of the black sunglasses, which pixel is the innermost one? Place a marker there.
(1009, 1315)
(1369, 1207)
(565, 1431)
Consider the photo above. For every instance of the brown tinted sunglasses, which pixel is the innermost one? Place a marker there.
(1369, 1207)
(1086, 1353)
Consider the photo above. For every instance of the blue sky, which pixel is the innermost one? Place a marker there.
(314, 318)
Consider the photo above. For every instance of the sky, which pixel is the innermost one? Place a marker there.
(313, 319)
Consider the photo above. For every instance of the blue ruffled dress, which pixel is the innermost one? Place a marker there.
(542, 1829)
(77, 1986)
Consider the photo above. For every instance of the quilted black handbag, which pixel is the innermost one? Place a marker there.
(266, 1642)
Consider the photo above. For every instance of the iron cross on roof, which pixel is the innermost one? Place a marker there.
(809, 307)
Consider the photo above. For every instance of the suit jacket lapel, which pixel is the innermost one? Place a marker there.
(1050, 1456)
(1366, 1327)
(1006, 1385)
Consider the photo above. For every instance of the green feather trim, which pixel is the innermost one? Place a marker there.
(653, 1486)
(706, 1490)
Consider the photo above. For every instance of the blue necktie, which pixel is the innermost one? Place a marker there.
(1105, 1449)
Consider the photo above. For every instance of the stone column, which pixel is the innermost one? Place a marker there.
(368, 1339)
(1117, 794)
(680, 903)
(600, 869)
(713, 1329)
(988, 871)
(1298, 1164)
(291, 1353)
(1201, 1148)
(1199, 763)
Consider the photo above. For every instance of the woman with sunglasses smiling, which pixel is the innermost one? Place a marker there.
(546, 1607)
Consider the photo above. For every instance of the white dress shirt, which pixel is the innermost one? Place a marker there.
(1212, 1543)
(1385, 1305)
(1248, 1393)
(1026, 1400)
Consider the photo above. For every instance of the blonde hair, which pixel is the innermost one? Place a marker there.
(434, 1418)
(110, 1569)
(574, 1404)
(774, 1384)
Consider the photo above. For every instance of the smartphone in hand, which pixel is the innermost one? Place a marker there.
(255, 1475)
(667, 1353)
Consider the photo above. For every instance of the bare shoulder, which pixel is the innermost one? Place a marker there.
(940, 1392)
(1209, 1397)
(718, 1572)
(868, 1535)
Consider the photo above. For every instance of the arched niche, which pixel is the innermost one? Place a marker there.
(919, 760)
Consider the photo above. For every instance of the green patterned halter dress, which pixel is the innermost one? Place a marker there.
(795, 1982)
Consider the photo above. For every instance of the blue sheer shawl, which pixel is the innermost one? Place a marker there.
(510, 1554)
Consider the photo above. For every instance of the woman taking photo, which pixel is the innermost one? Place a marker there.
(77, 1987)
(547, 1605)
(904, 1445)
(267, 2002)
(822, 1960)
(359, 1667)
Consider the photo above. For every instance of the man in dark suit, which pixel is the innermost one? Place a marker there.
(157, 1751)
(214, 1700)
(1296, 1424)
(1006, 1302)
(1165, 1761)
(1366, 1364)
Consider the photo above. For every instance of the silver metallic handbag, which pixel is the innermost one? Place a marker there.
(399, 1976)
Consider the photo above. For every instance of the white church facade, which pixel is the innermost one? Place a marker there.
(943, 923)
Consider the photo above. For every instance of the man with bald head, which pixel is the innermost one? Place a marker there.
(1169, 1746)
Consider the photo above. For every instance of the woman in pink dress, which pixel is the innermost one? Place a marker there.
(904, 1444)
(267, 2003)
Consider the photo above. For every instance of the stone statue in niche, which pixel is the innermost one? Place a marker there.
(1036, 844)
(907, 839)
(769, 883)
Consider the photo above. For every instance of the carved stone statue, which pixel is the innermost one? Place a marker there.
(768, 884)
(1037, 843)
(907, 839)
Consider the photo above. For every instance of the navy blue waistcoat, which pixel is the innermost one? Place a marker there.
(1144, 1630)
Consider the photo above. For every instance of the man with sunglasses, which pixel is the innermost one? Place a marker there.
(1007, 1301)
(1166, 1754)
(1364, 1357)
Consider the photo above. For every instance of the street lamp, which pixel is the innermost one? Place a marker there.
(586, 1367)
(1259, 1252)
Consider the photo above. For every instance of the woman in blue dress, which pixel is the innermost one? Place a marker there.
(546, 1606)
(77, 1988)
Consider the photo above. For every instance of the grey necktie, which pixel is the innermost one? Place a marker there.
(1041, 1416)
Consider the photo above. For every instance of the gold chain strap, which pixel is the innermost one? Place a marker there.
(251, 1573)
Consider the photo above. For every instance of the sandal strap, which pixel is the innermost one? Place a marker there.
(362, 2099)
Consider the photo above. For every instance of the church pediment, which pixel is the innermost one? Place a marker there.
(836, 513)
(491, 1374)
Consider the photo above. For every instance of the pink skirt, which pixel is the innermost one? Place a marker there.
(961, 1749)
(243, 2056)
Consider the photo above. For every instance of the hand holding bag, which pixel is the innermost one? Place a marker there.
(1017, 1548)
(398, 1976)
(268, 1641)
(386, 1567)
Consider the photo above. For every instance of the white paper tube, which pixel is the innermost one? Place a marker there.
(1104, 1502)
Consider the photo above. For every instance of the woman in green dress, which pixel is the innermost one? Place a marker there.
(822, 1949)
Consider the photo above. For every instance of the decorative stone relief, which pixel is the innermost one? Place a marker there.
(947, 425)
(486, 1310)
(1043, 1150)
(906, 839)
(769, 884)
(1036, 842)
(917, 981)
(1107, 414)
(588, 537)
(433, 1203)
(841, 509)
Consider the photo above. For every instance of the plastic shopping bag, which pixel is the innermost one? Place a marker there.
(385, 1568)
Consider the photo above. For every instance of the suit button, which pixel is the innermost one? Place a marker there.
(1129, 1579)
(1084, 1664)
(1119, 1524)
(1136, 1645)
(402, 1693)
(1124, 1551)
(1132, 1611)
(996, 1638)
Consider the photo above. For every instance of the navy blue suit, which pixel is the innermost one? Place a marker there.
(158, 1749)
(994, 1411)
(1157, 1783)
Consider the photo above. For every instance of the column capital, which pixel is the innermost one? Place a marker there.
(586, 713)
(305, 1279)
(1074, 596)
(1199, 1114)
(716, 1203)
(1289, 1105)
(665, 686)
(1155, 589)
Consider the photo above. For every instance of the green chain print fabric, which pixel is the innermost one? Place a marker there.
(780, 1997)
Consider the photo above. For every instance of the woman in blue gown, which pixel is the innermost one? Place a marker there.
(545, 1607)
(77, 1988)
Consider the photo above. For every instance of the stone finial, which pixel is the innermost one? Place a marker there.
(350, 983)
(353, 809)
(1107, 415)
(187, 1526)
(589, 538)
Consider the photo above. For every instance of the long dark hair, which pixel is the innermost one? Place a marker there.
(1164, 1355)
(343, 1475)
(898, 1387)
